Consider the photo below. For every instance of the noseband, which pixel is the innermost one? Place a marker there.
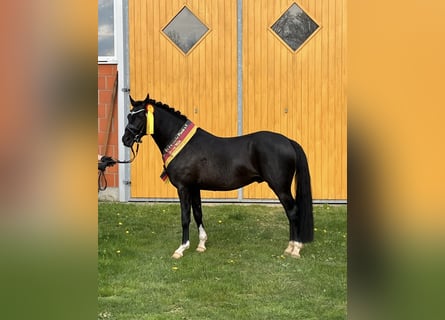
(134, 131)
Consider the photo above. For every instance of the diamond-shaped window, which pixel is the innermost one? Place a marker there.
(185, 30)
(294, 27)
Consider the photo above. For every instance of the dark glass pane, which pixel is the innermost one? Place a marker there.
(294, 27)
(185, 30)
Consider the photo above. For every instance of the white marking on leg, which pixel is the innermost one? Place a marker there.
(202, 239)
(293, 249)
(180, 251)
(289, 248)
(297, 247)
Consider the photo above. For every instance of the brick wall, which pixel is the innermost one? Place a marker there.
(106, 77)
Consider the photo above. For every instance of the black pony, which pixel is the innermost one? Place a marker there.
(196, 160)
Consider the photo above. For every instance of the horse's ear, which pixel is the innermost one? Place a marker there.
(147, 98)
(132, 101)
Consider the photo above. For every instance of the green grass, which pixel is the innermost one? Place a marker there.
(242, 275)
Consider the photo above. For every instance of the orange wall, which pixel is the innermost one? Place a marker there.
(105, 80)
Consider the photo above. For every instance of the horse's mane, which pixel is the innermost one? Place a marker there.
(166, 107)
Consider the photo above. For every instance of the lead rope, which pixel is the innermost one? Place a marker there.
(102, 180)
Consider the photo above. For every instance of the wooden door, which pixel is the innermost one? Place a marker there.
(300, 93)
(200, 82)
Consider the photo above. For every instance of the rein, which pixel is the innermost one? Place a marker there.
(133, 153)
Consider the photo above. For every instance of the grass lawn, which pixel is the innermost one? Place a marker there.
(242, 275)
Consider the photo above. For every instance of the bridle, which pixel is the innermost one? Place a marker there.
(138, 134)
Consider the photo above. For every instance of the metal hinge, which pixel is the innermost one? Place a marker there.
(126, 182)
(126, 90)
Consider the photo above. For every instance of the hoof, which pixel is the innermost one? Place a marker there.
(293, 249)
(201, 249)
(177, 255)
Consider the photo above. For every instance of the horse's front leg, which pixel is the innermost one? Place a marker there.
(197, 214)
(185, 199)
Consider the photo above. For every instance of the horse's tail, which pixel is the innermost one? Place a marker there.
(303, 196)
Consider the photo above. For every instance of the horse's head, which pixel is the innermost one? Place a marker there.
(137, 122)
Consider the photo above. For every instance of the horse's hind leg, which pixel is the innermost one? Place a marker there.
(290, 206)
(197, 214)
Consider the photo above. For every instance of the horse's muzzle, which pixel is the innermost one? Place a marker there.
(132, 134)
(128, 140)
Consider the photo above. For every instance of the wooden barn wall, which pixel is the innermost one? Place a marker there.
(300, 94)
